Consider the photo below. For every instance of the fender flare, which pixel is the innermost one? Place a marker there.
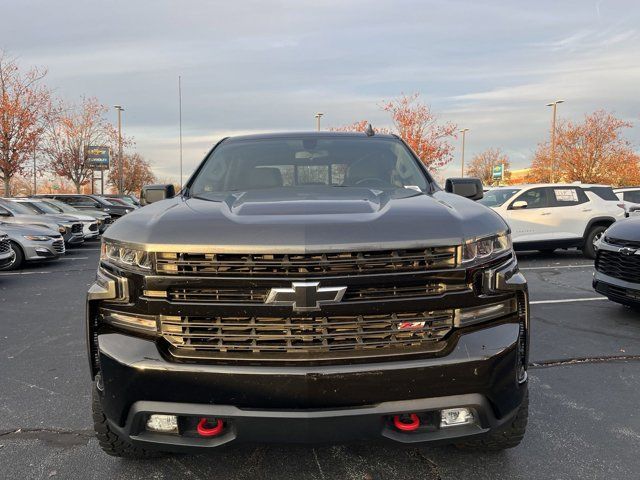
(609, 220)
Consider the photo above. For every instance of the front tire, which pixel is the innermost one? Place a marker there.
(508, 437)
(589, 249)
(110, 442)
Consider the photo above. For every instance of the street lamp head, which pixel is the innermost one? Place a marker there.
(554, 103)
(319, 114)
(119, 107)
(464, 130)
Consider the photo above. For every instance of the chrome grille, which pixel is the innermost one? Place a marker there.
(305, 334)
(617, 265)
(343, 263)
(353, 294)
(58, 246)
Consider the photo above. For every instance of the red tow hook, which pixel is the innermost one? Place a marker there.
(205, 430)
(406, 426)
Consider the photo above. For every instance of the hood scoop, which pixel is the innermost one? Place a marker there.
(267, 202)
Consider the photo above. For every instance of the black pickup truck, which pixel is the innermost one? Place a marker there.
(314, 287)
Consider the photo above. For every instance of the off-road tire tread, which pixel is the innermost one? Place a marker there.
(508, 437)
(110, 441)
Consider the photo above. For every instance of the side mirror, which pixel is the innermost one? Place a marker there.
(470, 188)
(520, 204)
(155, 193)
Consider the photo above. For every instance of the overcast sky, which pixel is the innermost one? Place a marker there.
(263, 65)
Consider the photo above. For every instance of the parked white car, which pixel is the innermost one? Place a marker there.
(549, 216)
(631, 197)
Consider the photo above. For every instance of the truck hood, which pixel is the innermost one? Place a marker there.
(306, 220)
(628, 229)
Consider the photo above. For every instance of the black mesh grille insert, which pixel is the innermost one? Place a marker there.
(618, 265)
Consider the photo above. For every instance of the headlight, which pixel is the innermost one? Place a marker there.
(61, 229)
(37, 238)
(125, 256)
(484, 249)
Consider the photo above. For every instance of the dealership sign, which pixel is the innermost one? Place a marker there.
(96, 157)
(498, 171)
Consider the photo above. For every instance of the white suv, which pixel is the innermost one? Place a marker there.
(549, 216)
(631, 197)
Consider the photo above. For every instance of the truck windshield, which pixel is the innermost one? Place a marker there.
(304, 162)
(495, 198)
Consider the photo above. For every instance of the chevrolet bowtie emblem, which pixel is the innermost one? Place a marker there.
(628, 251)
(305, 297)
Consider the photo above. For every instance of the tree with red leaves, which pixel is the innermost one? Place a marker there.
(593, 151)
(482, 164)
(137, 172)
(24, 102)
(70, 130)
(418, 126)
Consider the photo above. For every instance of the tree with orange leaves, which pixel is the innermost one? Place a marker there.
(23, 105)
(418, 126)
(70, 130)
(137, 172)
(593, 151)
(482, 164)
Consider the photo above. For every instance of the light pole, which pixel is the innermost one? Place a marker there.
(553, 138)
(464, 133)
(120, 159)
(318, 117)
(180, 120)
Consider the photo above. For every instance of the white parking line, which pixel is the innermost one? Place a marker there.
(586, 265)
(21, 273)
(568, 300)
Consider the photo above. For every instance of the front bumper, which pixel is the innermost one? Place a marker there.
(617, 290)
(74, 239)
(311, 404)
(482, 367)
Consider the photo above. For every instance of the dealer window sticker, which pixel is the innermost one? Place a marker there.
(566, 195)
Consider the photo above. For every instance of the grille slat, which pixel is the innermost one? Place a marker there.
(617, 265)
(304, 264)
(58, 246)
(76, 228)
(301, 334)
(353, 294)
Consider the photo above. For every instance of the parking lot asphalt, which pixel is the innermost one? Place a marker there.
(584, 383)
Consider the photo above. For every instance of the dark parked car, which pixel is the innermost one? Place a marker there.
(129, 199)
(617, 274)
(91, 202)
(308, 288)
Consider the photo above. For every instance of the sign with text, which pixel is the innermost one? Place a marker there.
(96, 157)
(498, 171)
